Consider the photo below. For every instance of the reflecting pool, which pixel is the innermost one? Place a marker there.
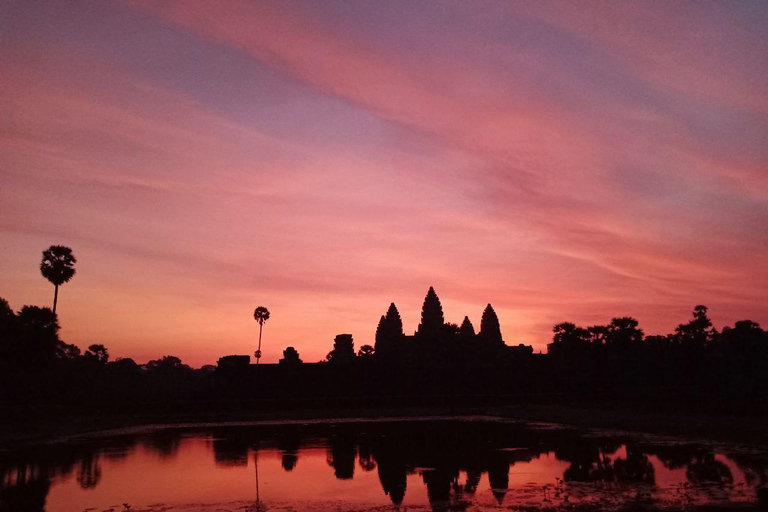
(449, 464)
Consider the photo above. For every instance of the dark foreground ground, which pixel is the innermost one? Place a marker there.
(27, 425)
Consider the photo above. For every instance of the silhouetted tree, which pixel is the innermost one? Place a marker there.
(6, 314)
(97, 353)
(8, 324)
(569, 341)
(124, 362)
(745, 337)
(58, 267)
(450, 331)
(742, 355)
(490, 330)
(366, 351)
(38, 331)
(261, 315)
(698, 332)
(432, 319)
(597, 334)
(166, 363)
(623, 334)
(67, 351)
(125, 372)
(658, 346)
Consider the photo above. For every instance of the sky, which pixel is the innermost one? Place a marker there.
(561, 161)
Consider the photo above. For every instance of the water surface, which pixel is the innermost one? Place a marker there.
(405, 465)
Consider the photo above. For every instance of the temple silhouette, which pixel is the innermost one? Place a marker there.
(427, 361)
(439, 364)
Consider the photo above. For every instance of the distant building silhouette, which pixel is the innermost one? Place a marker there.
(343, 350)
(467, 331)
(290, 357)
(432, 318)
(232, 362)
(490, 330)
(389, 334)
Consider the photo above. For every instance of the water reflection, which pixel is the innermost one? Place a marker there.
(437, 465)
(289, 444)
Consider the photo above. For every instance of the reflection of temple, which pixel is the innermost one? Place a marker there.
(342, 452)
(24, 489)
(289, 445)
(450, 458)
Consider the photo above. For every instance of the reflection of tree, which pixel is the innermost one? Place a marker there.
(365, 456)
(706, 469)
(591, 462)
(755, 469)
(635, 468)
(165, 443)
(588, 462)
(118, 448)
(231, 450)
(89, 473)
(25, 495)
(395, 451)
(701, 465)
(26, 475)
(673, 456)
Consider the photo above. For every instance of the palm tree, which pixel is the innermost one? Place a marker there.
(261, 315)
(58, 267)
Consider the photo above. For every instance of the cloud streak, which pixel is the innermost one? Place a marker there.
(563, 164)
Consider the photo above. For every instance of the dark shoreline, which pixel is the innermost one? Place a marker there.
(30, 426)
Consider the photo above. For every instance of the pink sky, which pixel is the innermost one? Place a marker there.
(324, 159)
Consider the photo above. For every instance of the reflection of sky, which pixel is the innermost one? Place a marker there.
(325, 159)
(189, 478)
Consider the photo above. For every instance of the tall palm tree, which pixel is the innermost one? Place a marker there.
(58, 267)
(261, 315)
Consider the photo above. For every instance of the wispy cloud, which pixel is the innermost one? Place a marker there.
(562, 163)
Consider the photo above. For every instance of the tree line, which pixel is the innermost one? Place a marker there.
(696, 360)
(37, 366)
